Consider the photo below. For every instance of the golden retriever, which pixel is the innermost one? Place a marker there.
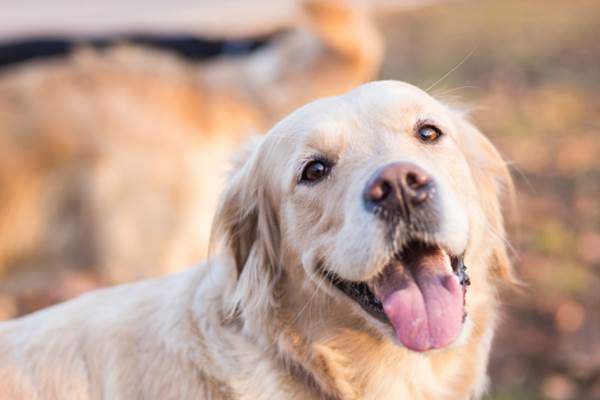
(343, 236)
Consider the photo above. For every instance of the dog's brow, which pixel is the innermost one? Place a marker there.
(329, 143)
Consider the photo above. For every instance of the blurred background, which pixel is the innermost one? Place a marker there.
(117, 121)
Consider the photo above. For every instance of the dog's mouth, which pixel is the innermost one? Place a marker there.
(421, 293)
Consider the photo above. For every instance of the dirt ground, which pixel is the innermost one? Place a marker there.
(529, 73)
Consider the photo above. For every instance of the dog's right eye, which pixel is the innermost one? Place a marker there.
(429, 133)
(314, 171)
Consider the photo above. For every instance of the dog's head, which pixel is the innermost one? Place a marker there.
(376, 199)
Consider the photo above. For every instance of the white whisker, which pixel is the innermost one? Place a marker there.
(457, 66)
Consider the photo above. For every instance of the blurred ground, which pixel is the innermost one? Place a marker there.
(531, 77)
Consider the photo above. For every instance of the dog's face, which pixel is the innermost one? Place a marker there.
(378, 196)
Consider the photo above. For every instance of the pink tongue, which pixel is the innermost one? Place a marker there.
(423, 302)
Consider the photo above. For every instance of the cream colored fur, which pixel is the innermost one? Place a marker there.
(256, 321)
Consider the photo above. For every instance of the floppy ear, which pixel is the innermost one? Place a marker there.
(495, 189)
(247, 227)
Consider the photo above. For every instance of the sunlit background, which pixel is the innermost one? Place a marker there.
(122, 149)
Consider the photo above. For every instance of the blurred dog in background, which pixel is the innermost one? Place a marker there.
(111, 158)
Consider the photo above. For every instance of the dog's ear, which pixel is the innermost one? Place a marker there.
(246, 224)
(496, 193)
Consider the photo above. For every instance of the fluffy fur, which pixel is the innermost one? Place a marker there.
(257, 321)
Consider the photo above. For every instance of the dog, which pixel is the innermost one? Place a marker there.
(339, 271)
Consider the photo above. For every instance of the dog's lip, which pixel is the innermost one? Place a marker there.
(362, 292)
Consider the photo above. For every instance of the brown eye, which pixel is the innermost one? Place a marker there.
(315, 171)
(429, 133)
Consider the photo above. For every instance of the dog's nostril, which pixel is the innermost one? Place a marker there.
(418, 186)
(379, 191)
(384, 190)
(416, 181)
(412, 180)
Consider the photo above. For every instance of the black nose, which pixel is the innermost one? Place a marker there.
(398, 187)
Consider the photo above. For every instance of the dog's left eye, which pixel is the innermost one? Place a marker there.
(429, 133)
(314, 171)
